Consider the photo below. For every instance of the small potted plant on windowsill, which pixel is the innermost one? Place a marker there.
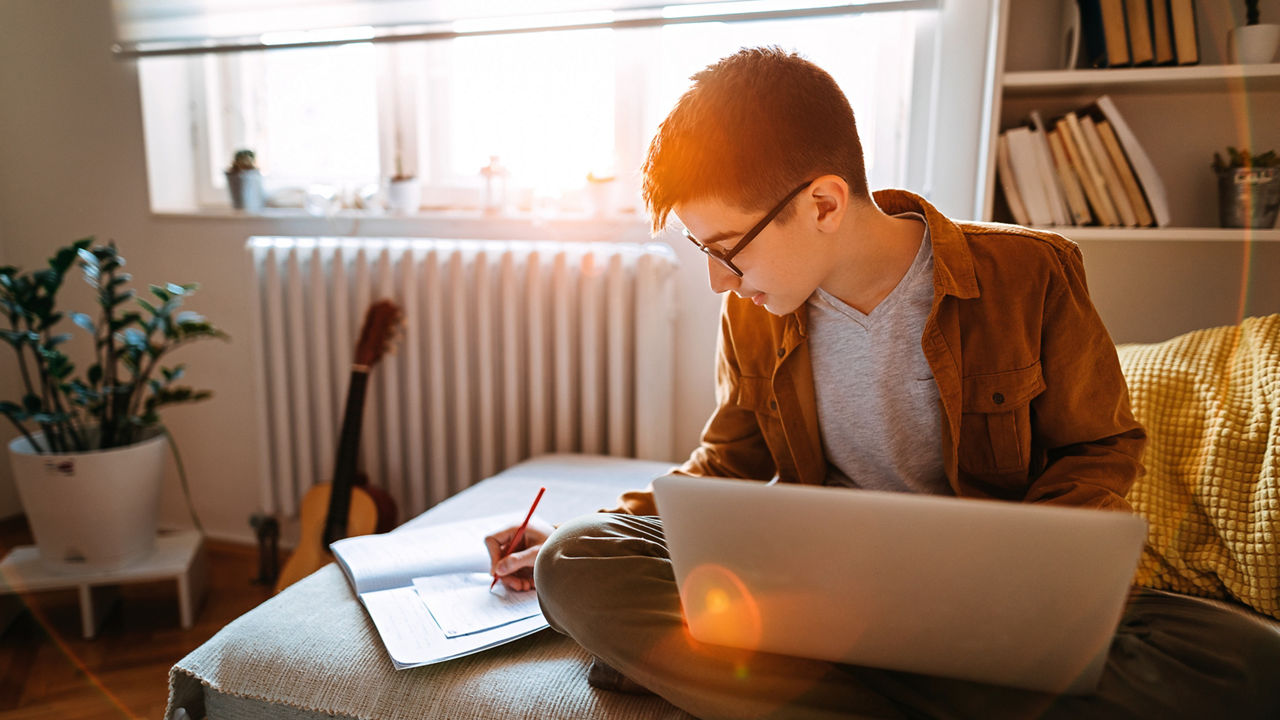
(1254, 42)
(404, 194)
(1248, 188)
(89, 478)
(244, 181)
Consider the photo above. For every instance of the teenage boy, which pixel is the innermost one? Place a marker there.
(867, 341)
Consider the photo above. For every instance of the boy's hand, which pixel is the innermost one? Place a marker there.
(516, 569)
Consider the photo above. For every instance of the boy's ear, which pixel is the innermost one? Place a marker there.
(830, 195)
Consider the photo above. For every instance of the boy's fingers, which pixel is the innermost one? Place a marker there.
(518, 560)
(497, 542)
(517, 583)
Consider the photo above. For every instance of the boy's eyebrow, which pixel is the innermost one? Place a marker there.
(716, 238)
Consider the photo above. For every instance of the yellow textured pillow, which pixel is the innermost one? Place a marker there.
(1210, 401)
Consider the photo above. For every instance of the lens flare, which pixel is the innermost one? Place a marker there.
(720, 609)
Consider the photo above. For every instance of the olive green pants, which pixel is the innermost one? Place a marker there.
(606, 581)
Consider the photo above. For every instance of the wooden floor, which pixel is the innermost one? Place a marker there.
(48, 671)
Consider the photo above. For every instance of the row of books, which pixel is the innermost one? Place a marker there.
(1084, 168)
(1123, 33)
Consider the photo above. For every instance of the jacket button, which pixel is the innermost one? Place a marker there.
(782, 351)
(773, 404)
(998, 398)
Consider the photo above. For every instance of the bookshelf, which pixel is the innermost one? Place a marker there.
(1181, 115)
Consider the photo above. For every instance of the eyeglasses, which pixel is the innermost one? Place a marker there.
(726, 256)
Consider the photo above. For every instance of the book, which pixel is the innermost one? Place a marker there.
(1152, 186)
(1090, 177)
(1161, 34)
(1071, 186)
(1138, 17)
(1004, 169)
(1104, 32)
(1186, 42)
(1110, 178)
(426, 590)
(1128, 180)
(1048, 174)
(1023, 155)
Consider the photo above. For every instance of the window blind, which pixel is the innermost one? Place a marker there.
(185, 27)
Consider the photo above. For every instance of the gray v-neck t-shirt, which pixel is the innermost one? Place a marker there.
(878, 407)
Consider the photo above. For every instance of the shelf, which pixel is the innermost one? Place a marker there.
(1168, 234)
(1196, 78)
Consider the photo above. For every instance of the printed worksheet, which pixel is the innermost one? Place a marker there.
(462, 603)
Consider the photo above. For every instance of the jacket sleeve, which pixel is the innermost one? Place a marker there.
(732, 444)
(1091, 442)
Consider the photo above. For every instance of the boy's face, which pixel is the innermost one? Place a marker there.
(782, 265)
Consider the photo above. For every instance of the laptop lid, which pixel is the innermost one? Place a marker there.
(999, 592)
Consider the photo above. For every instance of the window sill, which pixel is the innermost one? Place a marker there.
(440, 223)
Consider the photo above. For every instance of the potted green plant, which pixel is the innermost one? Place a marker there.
(1248, 188)
(89, 460)
(244, 181)
(1254, 42)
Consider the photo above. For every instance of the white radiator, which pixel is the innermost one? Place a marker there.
(510, 349)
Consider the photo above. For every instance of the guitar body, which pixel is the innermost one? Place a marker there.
(311, 553)
(388, 512)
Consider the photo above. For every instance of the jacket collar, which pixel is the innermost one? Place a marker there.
(952, 262)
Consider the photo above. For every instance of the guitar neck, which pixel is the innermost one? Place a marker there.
(344, 470)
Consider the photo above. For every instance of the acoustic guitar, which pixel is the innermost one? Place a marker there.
(349, 505)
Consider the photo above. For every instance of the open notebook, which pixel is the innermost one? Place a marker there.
(427, 591)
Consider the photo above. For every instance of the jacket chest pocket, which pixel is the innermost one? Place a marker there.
(756, 394)
(995, 422)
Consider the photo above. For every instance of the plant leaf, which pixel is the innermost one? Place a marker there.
(85, 321)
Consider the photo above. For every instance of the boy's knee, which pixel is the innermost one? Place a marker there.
(557, 574)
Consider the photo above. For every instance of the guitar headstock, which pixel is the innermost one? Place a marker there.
(380, 332)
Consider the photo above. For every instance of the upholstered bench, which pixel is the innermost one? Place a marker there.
(312, 651)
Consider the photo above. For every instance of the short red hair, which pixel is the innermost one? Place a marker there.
(750, 128)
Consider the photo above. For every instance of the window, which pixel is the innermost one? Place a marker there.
(533, 116)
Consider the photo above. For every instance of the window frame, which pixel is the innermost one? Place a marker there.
(630, 108)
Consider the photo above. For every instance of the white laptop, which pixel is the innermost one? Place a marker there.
(1005, 593)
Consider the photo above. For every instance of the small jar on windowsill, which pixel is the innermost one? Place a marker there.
(404, 195)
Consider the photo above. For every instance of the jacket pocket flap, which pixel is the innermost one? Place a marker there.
(755, 393)
(1002, 392)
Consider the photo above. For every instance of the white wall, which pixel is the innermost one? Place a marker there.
(72, 164)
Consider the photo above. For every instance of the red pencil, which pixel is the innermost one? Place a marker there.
(519, 532)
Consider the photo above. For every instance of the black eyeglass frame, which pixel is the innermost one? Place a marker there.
(726, 256)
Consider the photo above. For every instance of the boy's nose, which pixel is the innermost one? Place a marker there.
(722, 278)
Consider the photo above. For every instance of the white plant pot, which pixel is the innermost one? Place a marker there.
(1253, 44)
(404, 196)
(246, 190)
(90, 511)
